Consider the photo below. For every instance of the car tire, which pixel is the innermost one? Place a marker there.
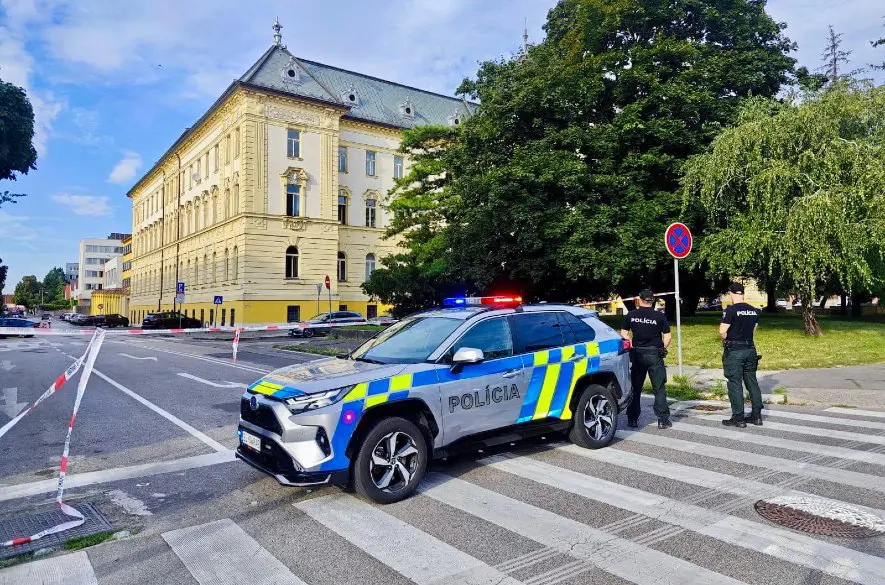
(369, 477)
(595, 418)
(307, 334)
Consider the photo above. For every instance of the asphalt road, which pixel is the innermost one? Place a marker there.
(151, 450)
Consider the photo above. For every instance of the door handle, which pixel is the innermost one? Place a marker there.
(576, 358)
(511, 373)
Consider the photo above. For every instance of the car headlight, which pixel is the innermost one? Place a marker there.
(304, 402)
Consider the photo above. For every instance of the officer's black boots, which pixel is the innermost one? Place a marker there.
(664, 423)
(754, 418)
(633, 424)
(736, 421)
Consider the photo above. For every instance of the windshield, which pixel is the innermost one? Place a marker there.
(407, 342)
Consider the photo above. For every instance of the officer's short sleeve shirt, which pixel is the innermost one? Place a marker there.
(647, 326)
(742, 319)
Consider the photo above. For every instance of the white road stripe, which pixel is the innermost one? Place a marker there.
(70, 569)
(780, 543)
(748, 436)
(832, 420)
(806, 430)
(407, 550)
(165, 414)
(843, 476)
(856, 412)
(221, 553)
(615, 555)
(698, 476)
(116, 474)
(216, 361)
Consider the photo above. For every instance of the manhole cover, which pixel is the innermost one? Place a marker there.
(709, 407)
(27, 525)
(821, 516)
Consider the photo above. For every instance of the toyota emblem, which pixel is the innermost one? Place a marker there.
(253, 403)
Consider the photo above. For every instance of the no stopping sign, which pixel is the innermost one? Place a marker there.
(678, 240)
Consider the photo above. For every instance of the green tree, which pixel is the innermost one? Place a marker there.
(420, 206)
(27, 291)
(878, 43)
(568, 175)
(17, 152)
(796, 187)
(54, 285)
(3, 271)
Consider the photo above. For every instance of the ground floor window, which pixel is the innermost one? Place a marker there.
(223, 317)
(232, 313)
(371, 311)
(342, 307)
(202, 315)
(212, 316)
(293, 314)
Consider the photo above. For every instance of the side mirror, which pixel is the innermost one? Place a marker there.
(466, 356)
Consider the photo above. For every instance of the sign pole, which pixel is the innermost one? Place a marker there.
(678, 316)
(330, 305)
(319, 290)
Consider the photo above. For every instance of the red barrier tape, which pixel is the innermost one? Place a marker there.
(16, 331)
(79, 519)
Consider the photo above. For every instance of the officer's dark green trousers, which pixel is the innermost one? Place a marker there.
(740, 370)
(648, 361)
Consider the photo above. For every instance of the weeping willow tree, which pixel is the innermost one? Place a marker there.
(795, 188)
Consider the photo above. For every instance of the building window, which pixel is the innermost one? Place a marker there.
(214, 210)
(370, 163)
(342, 207)
(226, 265)
(293, 200)
(342, 267)
(293, 314)
(371, 311)
(215, 161)
(206, 167)
(214, 268)
(236, 201)
(237, 143)
(227, 149)
(342, 307)
(197, 215)
(342, 159)
(371, 211)
(291, 262)
(293, 144)
(236, 264)
(370, 265)
(226, 203)
(397, 167)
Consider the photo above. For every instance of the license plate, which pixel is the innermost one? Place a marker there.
(250, 441)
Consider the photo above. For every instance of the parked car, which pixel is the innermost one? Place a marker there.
(169, 320)
(319, 325)
(114, 320)
(19, 322)
(46, 317)
(77, 319)
(383, 320)
(711, 305)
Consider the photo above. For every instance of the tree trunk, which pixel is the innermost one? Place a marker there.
(670, 307)
(823, 302)
(843, 310)
(690, 305)
(856, 306)
(812, 327)
(771, 292)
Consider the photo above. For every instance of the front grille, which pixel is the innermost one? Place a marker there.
(262, 417)
(271, 458)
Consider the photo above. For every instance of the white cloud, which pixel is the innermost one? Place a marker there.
(126, 169)
(90, 205)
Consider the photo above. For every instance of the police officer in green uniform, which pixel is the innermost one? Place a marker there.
(739, 359)
(651, 337)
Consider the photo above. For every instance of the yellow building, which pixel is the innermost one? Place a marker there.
(279, 185)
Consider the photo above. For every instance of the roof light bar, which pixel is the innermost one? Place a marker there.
(508, 300)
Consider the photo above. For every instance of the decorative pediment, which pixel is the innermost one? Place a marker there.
(295, 176)
(291, 73)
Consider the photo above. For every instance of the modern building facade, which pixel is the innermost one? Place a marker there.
(94, 253)
(279, 185)
(72, 271)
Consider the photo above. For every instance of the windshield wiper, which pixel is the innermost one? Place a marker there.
(367, 360)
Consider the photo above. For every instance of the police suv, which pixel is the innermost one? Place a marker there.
(474, 373)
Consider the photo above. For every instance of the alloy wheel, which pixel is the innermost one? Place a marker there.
(598, 417)
(394, 462)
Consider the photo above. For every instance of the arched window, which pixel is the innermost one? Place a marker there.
(370, 265)
(226, 265)
(291, 262)
(206, 212)
(214, 269)
(342, 266)
(236, 264)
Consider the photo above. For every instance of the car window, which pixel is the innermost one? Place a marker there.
(537, 331)
(574, 330)
(409, 341)
(492, 336)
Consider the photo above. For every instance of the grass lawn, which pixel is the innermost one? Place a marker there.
(782, 342)
(319, 350)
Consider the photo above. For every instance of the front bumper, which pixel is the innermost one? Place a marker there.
(284, 472)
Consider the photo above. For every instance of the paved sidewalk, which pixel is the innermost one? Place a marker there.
(862, 386)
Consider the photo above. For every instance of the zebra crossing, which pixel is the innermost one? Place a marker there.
(656, 507)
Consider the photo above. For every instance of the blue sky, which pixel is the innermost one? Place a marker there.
(114, 83)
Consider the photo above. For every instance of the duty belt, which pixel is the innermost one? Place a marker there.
(647, 349)
(735, 343)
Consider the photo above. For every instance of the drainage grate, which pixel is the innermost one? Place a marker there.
(709, 407)
(27, 525)
(821, 516)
